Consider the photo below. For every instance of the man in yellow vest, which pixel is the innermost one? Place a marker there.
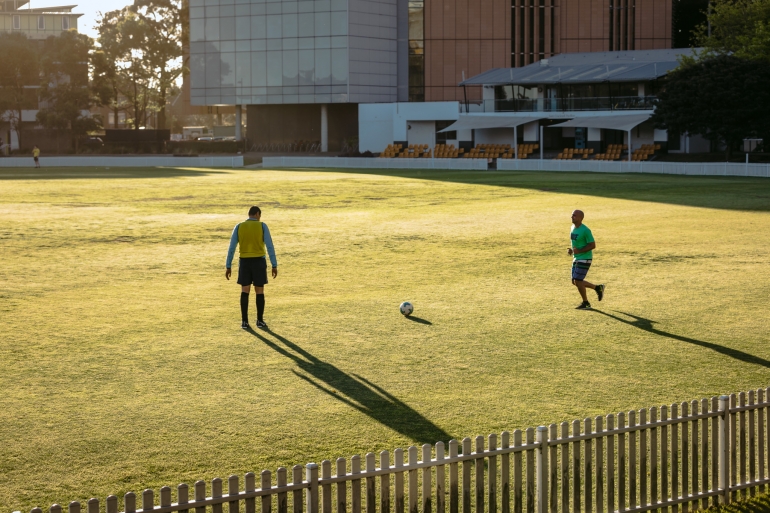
(254, 241)
(36, 156)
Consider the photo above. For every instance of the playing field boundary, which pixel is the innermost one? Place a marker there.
(125, 161)
(672, 168)
(689, 455)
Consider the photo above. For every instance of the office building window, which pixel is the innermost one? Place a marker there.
(513, 33)
(65, 23)
(531, 31)
(612, 25)
(541, 36)
(16, 22)
(41, 22)
(416, 51)
(522, 20)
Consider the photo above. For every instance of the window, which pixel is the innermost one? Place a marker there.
(16, 22)
(443, 137)
(41, 22)
(416, 51)
(65, 23)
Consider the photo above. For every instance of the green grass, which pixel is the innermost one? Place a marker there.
(123, 366)
(758, 504)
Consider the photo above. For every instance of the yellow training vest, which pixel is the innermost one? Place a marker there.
(251, 241)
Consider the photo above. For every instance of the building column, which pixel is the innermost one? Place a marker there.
(629, 145)
(324, 128)
(542, 138)
(238, 122)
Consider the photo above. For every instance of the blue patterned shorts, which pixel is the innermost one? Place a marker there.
(580, 269)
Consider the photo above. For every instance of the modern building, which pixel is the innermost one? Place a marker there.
(38, 23)
(302, 67)
(583, 100)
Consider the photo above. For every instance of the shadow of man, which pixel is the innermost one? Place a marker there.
(647, 325)
(357, 392)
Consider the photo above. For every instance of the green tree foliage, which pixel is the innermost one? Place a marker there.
(140, 57)
(723, 97)
(19, 70)
(65, 93)
(124, 37)
(738, 27)
(164, 53)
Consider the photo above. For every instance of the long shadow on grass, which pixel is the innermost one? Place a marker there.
(358, 392)
(719, 192)
(647, 325)
(77, 173)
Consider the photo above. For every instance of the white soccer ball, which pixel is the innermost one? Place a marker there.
(406, 308)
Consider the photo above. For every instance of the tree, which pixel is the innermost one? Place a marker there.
(65, 90)
(124, 37)
(20, 69)
(737, 27)
(724, 98)
(139, 58)
(164, 51)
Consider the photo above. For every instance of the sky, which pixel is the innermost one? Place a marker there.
(89, 8)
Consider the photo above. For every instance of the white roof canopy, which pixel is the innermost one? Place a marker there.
(625, 123)
(471, 122)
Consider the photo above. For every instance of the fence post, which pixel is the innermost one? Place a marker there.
(724, 484)
(541, 467)
(311, 476)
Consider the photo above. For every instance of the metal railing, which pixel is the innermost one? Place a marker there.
(570, 104)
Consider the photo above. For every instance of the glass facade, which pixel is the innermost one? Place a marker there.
(269, 52)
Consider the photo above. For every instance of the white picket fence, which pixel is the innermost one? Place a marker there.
(682, 457)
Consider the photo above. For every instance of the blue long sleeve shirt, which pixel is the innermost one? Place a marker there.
(265, 235)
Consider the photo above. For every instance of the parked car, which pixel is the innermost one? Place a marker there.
(93, 142)
(205, 138)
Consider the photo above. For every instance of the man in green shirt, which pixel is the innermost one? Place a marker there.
(582, 254)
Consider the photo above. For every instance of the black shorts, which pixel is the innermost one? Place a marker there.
(252, 270)
(35, 158)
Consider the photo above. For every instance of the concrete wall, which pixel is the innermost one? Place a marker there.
(27, 162)
(421, 132)
(375, 135)
(702, 169)
(372, 163)
(674, 168)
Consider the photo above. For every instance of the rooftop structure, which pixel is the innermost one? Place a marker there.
(37, 23)
(587, 68)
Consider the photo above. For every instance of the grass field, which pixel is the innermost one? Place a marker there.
(123, 365)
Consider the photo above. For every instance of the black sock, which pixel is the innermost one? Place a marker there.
(245, 306)
(260, 306)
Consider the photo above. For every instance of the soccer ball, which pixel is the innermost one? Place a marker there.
(406, 308)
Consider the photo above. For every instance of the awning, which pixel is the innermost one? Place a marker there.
(473, 122)
(625, 123)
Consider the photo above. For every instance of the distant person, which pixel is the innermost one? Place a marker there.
(582, 255)
(36, 156)
(253, 239)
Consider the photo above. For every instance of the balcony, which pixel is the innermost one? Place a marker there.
(571, 104)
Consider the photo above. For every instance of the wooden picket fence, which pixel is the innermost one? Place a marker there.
(685, 456)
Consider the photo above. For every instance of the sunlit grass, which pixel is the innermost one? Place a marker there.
(123, 365)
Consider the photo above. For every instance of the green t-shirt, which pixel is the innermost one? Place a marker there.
(581, 237)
